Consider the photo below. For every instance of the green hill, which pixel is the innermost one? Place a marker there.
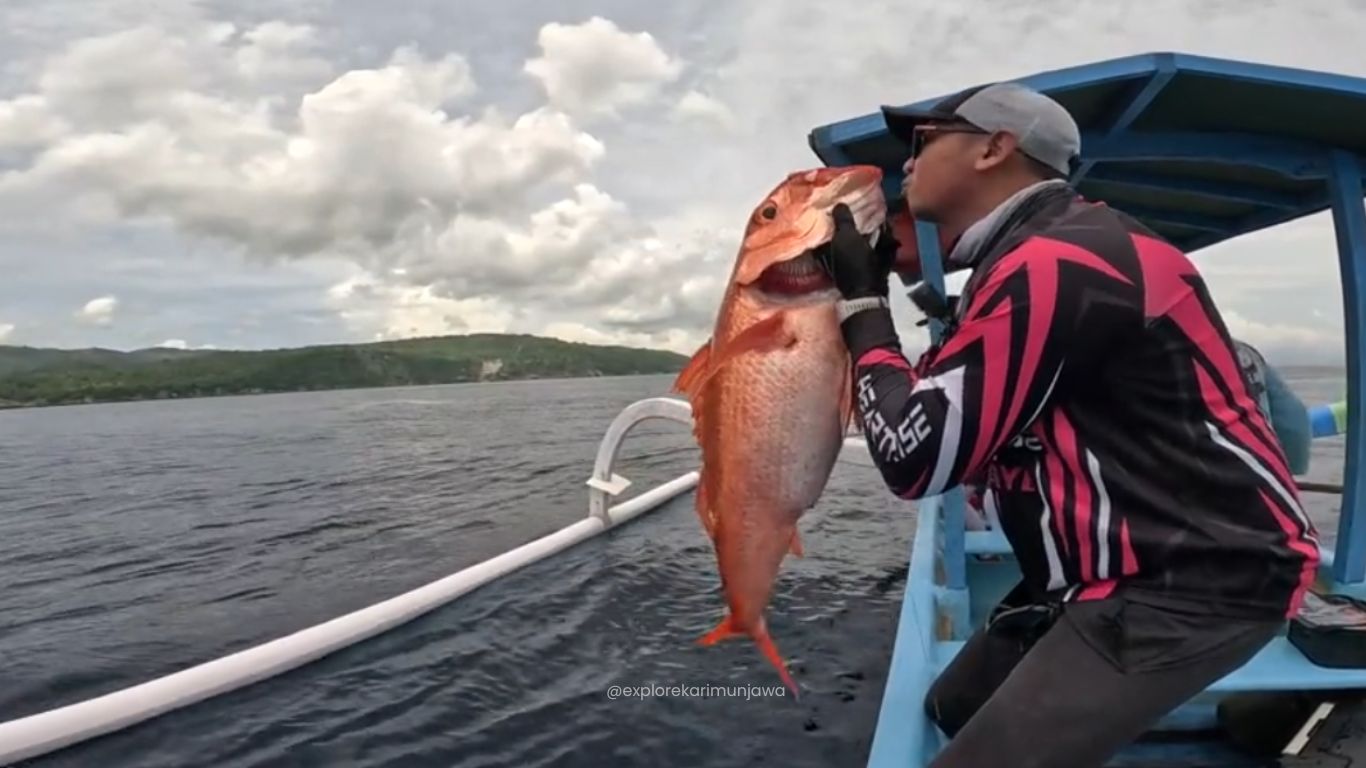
(33, 377)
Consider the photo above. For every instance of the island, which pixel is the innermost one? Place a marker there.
(32, 376)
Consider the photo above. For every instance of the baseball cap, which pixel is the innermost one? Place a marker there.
(1045, 130)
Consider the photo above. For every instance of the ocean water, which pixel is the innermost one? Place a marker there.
(143, 538)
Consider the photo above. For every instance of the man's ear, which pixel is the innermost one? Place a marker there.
(995, 150)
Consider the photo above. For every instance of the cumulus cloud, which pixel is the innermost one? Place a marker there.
(381, 311)
(596, 68)
(99, 311)
(6, 331)
(460, 212)
(698, 107)
(374, 158)
(453, 213)
(183, 344)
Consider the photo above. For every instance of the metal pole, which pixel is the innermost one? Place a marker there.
(1349, 222)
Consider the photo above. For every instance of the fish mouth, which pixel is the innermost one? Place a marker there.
(794, 277)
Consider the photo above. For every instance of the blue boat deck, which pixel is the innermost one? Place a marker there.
(1187, 737)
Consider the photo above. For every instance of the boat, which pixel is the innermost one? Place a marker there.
(1201, 150)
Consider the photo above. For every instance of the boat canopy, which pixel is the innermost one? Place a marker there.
(1199, 149)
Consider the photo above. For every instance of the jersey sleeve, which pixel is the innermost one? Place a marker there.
(931, 425)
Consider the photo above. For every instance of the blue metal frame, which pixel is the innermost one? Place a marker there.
(1126, 68)
(1214, 190)
(1294, 159)
(1110, 140)
(953, 596)
(1349, 217)
(1260, 220)
(1163, 73)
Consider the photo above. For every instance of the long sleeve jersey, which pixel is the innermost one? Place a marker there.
(1089, 380)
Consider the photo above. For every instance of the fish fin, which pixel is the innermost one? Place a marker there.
(704, 511)
(727, 629)
(691, 383)
(796, 546)
(723, 631)
(770, 651)
(694, 374)
(767, 334)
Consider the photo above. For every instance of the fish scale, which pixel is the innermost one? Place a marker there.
(771, 391)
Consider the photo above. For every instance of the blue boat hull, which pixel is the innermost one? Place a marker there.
(935, 621)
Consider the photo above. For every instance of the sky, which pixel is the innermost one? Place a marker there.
(253, 175)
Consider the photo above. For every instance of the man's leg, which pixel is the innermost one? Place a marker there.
(1067, 706)
(985, 661)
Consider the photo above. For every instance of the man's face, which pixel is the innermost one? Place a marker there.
(942, 168)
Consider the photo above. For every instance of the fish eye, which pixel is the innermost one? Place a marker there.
(769, 212)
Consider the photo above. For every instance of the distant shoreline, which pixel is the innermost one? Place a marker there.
(43, 378)
(11, 406)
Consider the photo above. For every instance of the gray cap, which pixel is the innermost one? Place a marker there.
(1045, 130)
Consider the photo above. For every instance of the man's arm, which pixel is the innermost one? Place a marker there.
(1290, 421)
(930, 426)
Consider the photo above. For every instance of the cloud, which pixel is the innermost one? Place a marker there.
(706, 110)
(99, 311)
(586, 178)
(183, 344)
(364, 162)
(6, 331)
(378, 310)
(596, 69)
(470, 218)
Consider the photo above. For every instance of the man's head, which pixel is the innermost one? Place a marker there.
(975, 148)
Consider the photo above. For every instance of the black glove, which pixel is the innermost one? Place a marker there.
(859, 269)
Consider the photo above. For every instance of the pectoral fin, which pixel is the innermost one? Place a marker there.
(692, 376)
(768, 334)
(704, 511)
(771, 333)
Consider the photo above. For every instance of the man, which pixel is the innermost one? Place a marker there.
(1286, 412)
(1086, 372)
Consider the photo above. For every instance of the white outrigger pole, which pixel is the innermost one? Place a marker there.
(55, 729)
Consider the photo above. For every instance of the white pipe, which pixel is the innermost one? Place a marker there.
(48, 731)
(604, 484)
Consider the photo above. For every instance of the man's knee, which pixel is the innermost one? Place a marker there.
(951, 708)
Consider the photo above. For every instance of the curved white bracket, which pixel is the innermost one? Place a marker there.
(604, 484)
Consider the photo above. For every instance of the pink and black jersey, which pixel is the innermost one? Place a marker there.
(1089, 380)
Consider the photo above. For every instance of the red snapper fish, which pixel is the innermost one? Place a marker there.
(771, 390)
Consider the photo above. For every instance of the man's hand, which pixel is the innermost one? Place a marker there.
(859, 269)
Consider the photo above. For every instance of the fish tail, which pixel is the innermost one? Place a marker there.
(728, 629)
(770, 651)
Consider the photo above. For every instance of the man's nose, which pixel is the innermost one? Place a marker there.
(908, 165)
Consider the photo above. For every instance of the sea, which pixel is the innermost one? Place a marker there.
(138, 539)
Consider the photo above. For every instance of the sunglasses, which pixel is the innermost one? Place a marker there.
(923, 135)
